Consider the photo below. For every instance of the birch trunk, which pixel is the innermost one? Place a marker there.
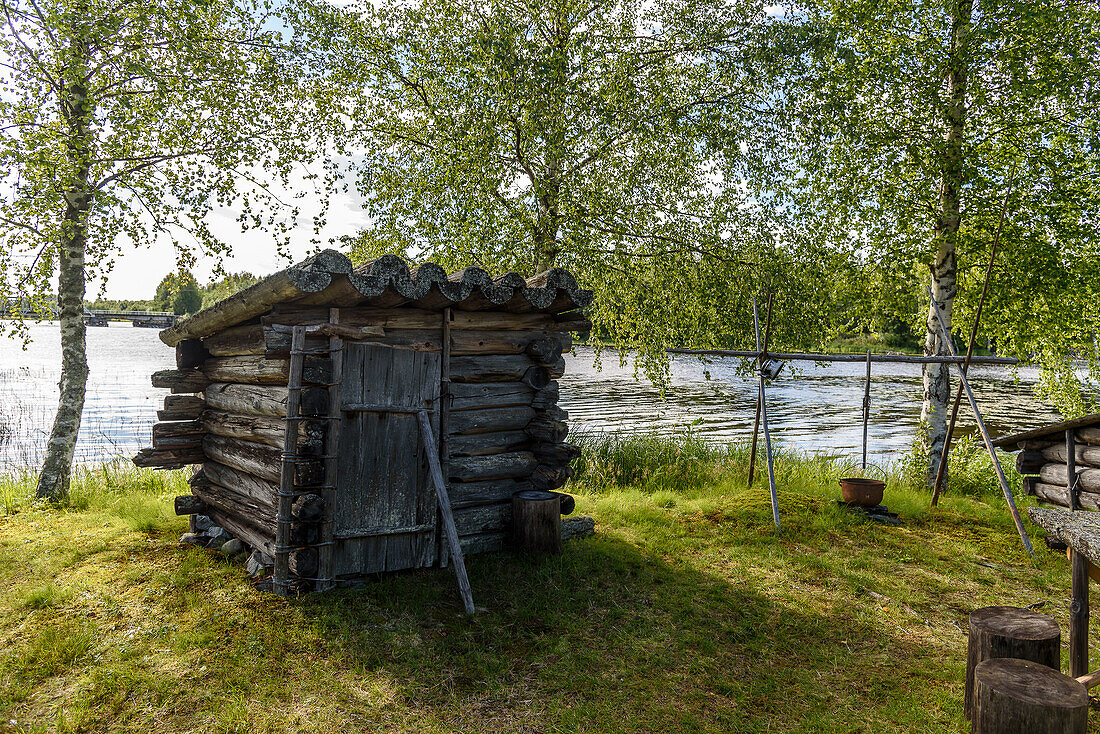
(548, 225)
(53, 481)
(937, 377)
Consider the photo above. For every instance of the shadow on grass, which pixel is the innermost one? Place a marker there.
(614, 635)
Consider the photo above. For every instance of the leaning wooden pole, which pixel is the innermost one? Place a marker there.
(764, 420)
(985, 433)
(759, 363)
(941, 471)
(444, 499)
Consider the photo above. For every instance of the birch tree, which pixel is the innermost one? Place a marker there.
(907, 121)
(125, 121)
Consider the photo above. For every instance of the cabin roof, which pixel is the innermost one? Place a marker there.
(329, 279)
(1009, 442)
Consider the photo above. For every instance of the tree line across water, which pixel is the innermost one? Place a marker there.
(180, 293)
(680, 157)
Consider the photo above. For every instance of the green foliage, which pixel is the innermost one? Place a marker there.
(166, 148)
(516, 137)
(862, 162)
(223, 287)
(188, 299)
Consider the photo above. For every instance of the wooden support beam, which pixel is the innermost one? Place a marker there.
(1079, 614)
(432, 452)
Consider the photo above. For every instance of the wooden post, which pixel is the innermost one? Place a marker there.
(759, 363)
(1071, 471)
(1010, 632)
(536, 521)
(1021, 697)
(866, 406)
(767, 432)
(444, 418)
(326, 558)
(1079, 615)
(941, 471)
(444, 500)
(985, 433)
(281, 574)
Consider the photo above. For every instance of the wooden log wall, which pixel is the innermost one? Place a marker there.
(1044, 462)
(507, 433)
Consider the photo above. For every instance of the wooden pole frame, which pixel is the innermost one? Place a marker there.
(866, 407)
(821, 357)
(759, 364)
(981, 427)
(941, 471)
(767, 432)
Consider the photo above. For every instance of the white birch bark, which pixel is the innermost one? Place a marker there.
(937, 378)
(53, 481)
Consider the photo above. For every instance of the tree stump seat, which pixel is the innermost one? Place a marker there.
(1010, 632)
(1013, 696)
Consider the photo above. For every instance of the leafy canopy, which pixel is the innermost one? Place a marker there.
(519, 136)
(860, 163)
(192, 106)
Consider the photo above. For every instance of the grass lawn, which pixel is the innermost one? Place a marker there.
(686, 612)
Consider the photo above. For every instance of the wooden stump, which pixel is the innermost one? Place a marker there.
(1010, 632)
(1014, 696)
(536, 521)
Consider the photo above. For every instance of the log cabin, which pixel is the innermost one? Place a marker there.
(1050, 455)
(302, 403)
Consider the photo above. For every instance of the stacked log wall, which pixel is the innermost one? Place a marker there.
(227, 413)
(1043, 462)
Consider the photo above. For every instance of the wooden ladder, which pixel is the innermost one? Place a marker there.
(288, 489)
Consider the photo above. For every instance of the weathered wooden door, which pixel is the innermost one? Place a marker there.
(385, 515)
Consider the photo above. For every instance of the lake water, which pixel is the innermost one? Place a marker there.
(817, 409)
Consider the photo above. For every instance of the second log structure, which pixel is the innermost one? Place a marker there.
(1048, 456)
(375, 340)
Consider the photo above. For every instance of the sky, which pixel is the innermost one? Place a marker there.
(138, 271)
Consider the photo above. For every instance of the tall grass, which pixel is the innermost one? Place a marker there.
(137, 496)
(687, 464)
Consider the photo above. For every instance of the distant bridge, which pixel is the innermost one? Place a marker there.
(152, 319)
(100, 317)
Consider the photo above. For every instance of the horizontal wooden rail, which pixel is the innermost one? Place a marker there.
(813, 357)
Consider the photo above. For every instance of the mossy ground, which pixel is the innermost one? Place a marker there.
(686, 612)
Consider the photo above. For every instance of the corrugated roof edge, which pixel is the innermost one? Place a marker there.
(389, 273)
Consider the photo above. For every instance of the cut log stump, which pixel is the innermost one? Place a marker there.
(1009, 632)
(1013, 696)
(536, 521)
